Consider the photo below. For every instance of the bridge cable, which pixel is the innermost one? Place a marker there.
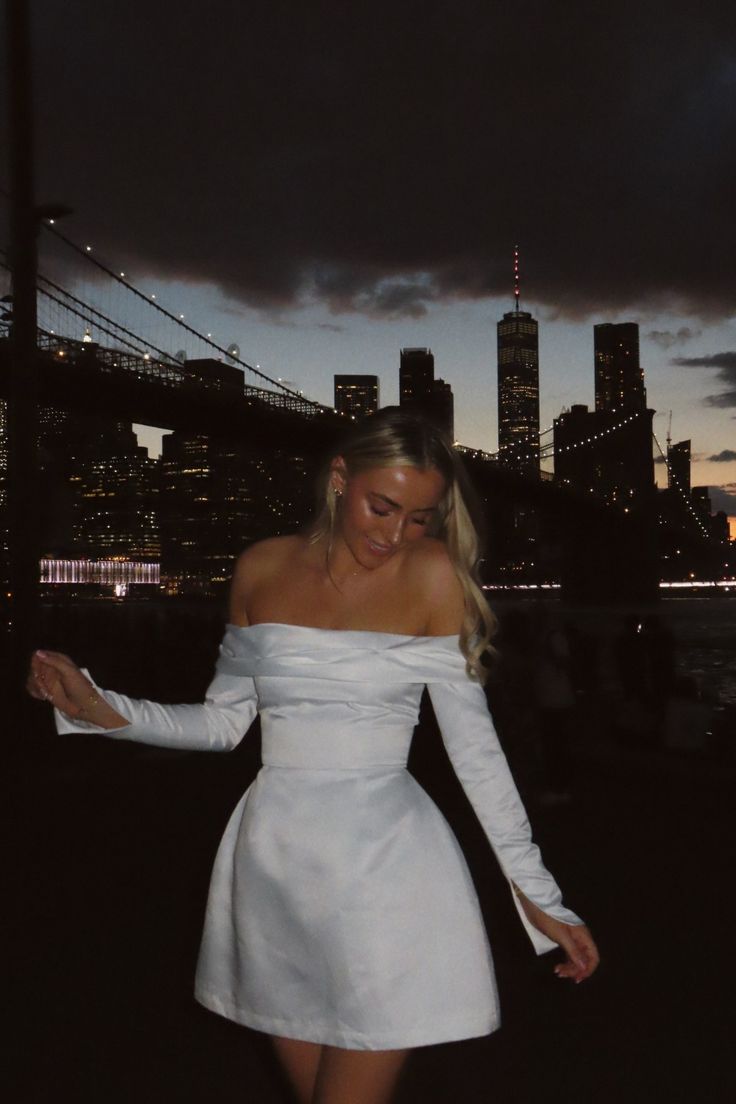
(173, 318)
(705, 532)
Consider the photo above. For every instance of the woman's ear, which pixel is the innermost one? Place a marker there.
(338, 475)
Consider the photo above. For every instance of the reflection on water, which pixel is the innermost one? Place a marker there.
(166, 633)
(670, 686)
(660, 677)
(705, 631)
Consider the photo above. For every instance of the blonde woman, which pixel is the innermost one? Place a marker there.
(342, 920)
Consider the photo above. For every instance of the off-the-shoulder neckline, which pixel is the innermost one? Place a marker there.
(342, 632)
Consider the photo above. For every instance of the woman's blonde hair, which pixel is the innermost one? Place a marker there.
(390, 438)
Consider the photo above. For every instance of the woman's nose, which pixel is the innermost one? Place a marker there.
(396, 530)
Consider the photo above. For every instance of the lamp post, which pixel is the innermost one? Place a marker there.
(23, 506)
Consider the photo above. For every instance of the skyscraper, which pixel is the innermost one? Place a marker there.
(420, 391)
(416, 376)
(518, 386)
(619, 377)
(678, 467)
(356, 395)
(442, 407)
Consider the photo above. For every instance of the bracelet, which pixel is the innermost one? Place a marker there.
(92, 700)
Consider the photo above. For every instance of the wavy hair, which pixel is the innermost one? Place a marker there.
(393, 437)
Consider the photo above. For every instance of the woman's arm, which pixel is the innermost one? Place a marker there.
(480, 764)
(219, 723)
(481, 767)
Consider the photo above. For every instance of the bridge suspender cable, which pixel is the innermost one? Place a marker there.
(88, 315)
(708, 535)
(173, 318)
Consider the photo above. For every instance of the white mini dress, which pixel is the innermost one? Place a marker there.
(341, 909)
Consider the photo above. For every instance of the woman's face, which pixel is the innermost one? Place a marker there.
(383, 509)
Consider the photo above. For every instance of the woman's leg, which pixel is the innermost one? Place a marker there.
(357, 1076)
(301, 1061)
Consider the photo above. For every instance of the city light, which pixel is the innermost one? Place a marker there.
(100, 572)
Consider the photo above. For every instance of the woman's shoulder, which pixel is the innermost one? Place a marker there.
(261, 561)
(264, 552)
(429, 562)
(434, 580)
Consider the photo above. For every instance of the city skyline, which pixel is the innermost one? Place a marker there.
(463, 341)
(322, 197)
(467, 337)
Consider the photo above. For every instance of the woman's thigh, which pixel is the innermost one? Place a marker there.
(357, 1076)
(300, 1061)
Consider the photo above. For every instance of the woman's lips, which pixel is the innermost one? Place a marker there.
(379, 549)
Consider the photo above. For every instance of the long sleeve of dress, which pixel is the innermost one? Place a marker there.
(218, 724)
(481, 767)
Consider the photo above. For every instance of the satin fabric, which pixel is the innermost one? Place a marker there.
(341, 909)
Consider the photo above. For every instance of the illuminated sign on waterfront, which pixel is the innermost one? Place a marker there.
(115, 573)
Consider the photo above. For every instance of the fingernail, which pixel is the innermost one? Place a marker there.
(40, 653)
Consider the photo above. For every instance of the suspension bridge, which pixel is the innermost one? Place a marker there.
(108, 346)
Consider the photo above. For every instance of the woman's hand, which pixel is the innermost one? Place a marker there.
(55, 678)
(582, 956)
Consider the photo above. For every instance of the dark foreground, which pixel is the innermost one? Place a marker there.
(106, 890)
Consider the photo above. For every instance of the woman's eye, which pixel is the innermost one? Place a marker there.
(380, 513)
(420, 521)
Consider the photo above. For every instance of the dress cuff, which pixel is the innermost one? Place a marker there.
(66, 724)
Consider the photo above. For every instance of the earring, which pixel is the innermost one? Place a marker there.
(337, 492)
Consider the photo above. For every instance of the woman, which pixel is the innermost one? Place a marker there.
(342, 919)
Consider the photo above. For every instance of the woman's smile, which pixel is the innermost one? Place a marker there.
(380, 549)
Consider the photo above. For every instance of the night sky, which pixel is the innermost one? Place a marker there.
(326, 183)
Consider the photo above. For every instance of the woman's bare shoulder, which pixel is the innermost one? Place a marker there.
(255, 566)
(439, 589)
(263, 554)
(429, 561)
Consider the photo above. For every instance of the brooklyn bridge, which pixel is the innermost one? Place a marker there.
(540, 528)
(90, 351)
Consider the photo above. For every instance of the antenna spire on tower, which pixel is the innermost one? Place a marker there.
(517, 287)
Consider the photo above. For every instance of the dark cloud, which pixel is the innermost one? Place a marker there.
(726, 364)
(721, 400)
(724, 456)
(666, 338)
(345, 289)
(381, 156)
(725, 361)
(394, 298)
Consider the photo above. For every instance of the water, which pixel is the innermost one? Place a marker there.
(704, 631)
(167, 648)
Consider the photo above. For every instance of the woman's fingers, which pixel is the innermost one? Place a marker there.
(575, 940)
(39, 678)
(582, 954)
(57, 660)
(55, 677)
(34, 688)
